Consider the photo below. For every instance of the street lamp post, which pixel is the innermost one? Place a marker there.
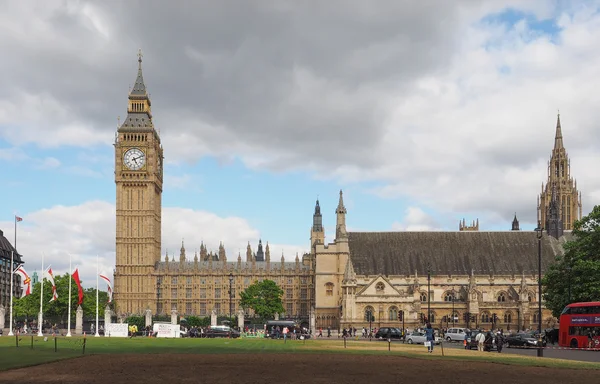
(428, 293)
(453, 299)
(230, 302)
(539, 231)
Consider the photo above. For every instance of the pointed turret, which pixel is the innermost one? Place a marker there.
(167, 256)
(558, 139)
(260, 254)
(195, 259)
(267, 253)
(248, 253)
(317, 218)
(139, 115)
(222, 254)
(515, 223)
(340, 228)
(182, 253)
(203, 252)
(349, 274)
(239, 261)
(282, 261)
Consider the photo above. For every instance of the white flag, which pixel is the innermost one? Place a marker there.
(48, 275)
(109, 288)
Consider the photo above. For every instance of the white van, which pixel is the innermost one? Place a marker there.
(456, 334)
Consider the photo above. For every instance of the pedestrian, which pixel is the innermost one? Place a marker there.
(499, 341)
(480, 338)
(429, 337)
(466, 340)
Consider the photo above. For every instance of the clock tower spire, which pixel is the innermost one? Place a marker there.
(138, 178)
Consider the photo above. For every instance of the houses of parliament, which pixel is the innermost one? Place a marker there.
(476, 278)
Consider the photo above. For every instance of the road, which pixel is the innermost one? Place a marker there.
(580, 355)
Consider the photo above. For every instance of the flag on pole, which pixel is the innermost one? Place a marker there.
(17, 218)
(25, 281)
(110, 288)
(48, 275)
(79, 287)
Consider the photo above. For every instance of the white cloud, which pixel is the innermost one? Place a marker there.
(87, 231)
(48, 163)
(416, 220)
(436, 104)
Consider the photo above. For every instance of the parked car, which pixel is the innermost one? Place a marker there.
(417, 337)
(382, 333)
(456, 334)
(221, 331)
(523, 340)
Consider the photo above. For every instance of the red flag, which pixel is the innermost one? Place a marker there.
(79, 288)
(17, 218)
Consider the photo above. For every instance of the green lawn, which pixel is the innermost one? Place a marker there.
(43, 350)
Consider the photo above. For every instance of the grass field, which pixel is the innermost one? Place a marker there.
(38, 350)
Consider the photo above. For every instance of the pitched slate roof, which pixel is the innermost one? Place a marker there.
(450, 253)
(6, 248)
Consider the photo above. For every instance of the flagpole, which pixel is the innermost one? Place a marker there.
(10, 327)
(69, 313)
(41, 315)
(97, 286)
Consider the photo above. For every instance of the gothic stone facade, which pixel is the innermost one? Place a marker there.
(383, 273)
(189, 286)
(481, 274)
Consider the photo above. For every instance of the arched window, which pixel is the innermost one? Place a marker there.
(393, 313)
(379, 287)
(485, 317)
(508, 318)
(329, 289)
(454, 317)
(530, 297)
(502, 297)
(432, 319)
(449, 296)
(423, 297)
(535, 318)
(369, 314)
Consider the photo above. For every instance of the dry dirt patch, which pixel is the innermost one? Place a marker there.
(285, 368)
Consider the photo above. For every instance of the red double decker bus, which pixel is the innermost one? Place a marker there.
(579, 325)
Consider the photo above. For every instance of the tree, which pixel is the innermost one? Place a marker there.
(29, 306)
(263, 297)
(578, 271)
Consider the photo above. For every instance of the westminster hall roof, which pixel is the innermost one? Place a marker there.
(6, 248)
(451, 253)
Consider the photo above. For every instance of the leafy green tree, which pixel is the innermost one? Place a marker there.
(263, 297)
(578, 271)
(29, 306)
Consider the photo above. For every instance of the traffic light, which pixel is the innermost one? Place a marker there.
(400, 315)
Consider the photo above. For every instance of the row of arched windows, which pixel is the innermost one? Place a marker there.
(450, 296)
(392, 314)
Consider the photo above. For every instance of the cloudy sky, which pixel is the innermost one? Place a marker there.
(422, 112)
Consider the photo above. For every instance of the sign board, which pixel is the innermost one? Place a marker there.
(166, 330)
(585, 320)
(116, 330)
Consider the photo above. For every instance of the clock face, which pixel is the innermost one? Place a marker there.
(134, 159)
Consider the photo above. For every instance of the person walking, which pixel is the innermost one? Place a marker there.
(429, 337)
(499, 341)
(480, 338)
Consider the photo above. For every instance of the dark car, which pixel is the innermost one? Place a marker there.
(394, 333)
(221, 331)
(488, 344)
(522, 340)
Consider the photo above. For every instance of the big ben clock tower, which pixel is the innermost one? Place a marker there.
(138, 177)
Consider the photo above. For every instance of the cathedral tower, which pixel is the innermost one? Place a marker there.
(567, 198)
(138, 178)
(317, 234)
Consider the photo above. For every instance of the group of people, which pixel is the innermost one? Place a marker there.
(485, 341)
